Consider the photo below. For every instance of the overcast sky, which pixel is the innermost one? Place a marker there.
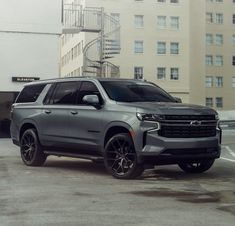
(36, 15)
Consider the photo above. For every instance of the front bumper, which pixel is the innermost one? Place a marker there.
(162, 150)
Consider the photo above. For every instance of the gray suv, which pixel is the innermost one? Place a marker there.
(130, 125)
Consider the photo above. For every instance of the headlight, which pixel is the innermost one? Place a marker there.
(149, 117)
(216, 117)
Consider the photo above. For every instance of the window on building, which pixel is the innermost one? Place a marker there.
(219, 81)
(116, 16)
(209, 39)
(161, 1)
(138, 72)
(218, 1)
(233, 61)
(219, 18)
(219, 60)
(219, 102)
(161, 73)
(209, 17)
(79, 49)
(161, 22)
(174, 1)
(219, 39)
(233, 38)
(174, 73)
(209, 81)
(139, 21)
(233, 81)
(161, 47)
(174, 48)
(174, 22)
(233, 18)
(98, 18)
(209, 60)
(209, 102)
(139, 46)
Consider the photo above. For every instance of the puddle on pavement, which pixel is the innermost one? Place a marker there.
(224, 199)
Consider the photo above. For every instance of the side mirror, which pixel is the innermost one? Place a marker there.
(92, 100)
(178, 100)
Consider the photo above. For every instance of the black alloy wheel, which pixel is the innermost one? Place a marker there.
(31, 150)
(120, 157)
(197, 167)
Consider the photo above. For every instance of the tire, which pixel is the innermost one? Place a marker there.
(120, 157)
(31, 150)
(197, 167)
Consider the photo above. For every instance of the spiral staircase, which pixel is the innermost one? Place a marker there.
(98, 51)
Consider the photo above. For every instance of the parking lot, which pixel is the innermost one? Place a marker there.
(77, 192)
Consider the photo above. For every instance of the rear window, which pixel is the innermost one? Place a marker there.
(30, 93)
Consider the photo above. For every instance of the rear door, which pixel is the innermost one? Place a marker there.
(54, 121)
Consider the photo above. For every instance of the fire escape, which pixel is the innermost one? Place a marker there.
(105, 46)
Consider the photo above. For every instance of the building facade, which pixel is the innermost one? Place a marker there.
(220, 54)
(168, 42)
(26, 56)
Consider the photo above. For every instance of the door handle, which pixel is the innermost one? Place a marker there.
(47, 112)
(74, 112)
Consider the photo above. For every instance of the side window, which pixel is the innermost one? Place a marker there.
(47, 99)
(30, 93)
(65, 93)
(88, 88)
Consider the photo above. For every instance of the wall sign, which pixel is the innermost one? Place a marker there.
(25, 79)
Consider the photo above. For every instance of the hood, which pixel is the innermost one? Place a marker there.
(168, 108)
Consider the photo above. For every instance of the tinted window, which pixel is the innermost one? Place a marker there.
(48, 97)
(132, 91)
(30, 93)
(65, 93)
(88, 88)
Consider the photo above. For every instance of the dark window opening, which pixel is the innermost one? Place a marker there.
(6, 100)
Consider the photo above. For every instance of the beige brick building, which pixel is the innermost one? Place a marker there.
(185, 46)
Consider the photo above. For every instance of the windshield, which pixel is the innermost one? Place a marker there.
(135, 91)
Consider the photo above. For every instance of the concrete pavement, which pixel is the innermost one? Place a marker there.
(75, 192)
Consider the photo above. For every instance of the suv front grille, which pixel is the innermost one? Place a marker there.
(188, 126)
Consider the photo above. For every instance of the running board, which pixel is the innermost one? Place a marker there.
(74, 155)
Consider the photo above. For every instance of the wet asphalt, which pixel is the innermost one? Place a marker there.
(76, 192)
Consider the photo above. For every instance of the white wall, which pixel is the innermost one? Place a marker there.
(28, 55)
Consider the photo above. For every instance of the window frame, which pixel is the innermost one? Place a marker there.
(139, 23)
(137, 49)
(161, 73)
(174, 51)
(161, 51)
(136, 75)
